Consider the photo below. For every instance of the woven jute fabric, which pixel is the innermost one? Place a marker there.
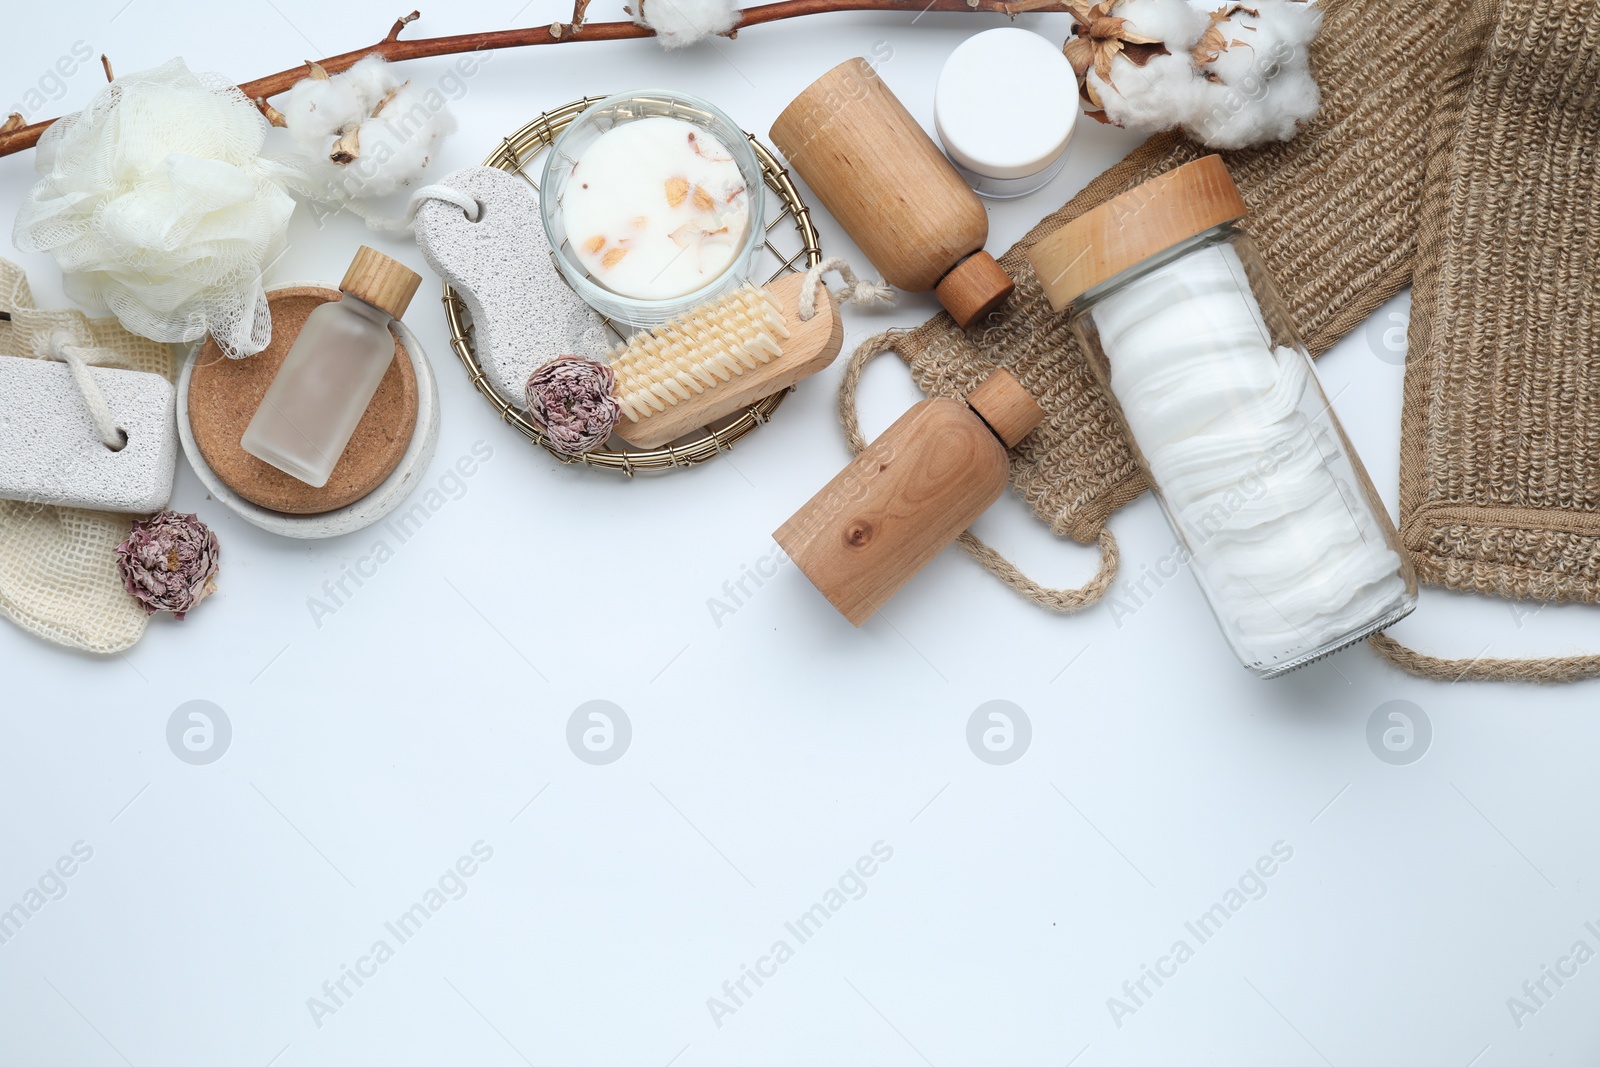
(58, 567)
(1335, 212)
(1500, 435)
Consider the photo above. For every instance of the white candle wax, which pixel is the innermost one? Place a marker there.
(656, 208)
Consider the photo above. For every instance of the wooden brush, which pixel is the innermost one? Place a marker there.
(722, 356)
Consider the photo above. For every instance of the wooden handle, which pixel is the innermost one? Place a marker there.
(881, 176)
(810, 347)
(896, 506)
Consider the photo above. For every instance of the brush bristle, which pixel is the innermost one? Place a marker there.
(712, 344)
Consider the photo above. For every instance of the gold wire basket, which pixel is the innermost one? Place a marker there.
(514, 155)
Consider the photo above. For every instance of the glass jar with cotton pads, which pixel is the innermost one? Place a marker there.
(1187, 333)
(653, 202)
(1011, 149)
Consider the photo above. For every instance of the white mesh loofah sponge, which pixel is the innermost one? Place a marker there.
(158, 207)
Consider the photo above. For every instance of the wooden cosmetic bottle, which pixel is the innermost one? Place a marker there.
(892, 190)
(908, 494)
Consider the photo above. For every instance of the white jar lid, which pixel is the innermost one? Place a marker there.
(1006, 103)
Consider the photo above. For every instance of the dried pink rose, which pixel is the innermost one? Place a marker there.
(169, 562)
(569, 398)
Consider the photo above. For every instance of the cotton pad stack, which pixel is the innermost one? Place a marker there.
(1289, 555)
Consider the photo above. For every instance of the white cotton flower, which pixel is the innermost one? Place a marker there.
(1237, 74)
(1175, 23)
(1154, 97)
(158, 207)
(365, 133)
(679, 23)
(1144, 84)
(1259, 86)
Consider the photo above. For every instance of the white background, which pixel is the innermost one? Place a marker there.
(768, 753)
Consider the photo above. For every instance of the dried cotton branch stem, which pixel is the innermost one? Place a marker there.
(393, 49)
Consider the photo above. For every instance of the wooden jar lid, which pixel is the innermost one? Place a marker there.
(225, 393)
(976, 286)
(1007, 408)
(1146, 220)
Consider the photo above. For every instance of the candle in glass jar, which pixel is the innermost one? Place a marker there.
(656, 208)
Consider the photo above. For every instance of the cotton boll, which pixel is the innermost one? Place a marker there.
(364, 134)
(1174, 22)
(1253, 112)
(397, 145)
(1267, 35)
(1259, 86)
(371, 78)
(1157, 96)
(679, 23)
(317, 109)
(1143, 96)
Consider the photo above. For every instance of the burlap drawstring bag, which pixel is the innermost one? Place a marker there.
(58, 568)
(1459, 140)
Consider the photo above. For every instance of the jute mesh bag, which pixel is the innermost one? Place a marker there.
(58, 569)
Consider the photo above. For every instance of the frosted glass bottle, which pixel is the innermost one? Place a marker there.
(318, 396)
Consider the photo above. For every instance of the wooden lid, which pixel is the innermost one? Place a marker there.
(1148, 219)
(973, 288)
(384, 283)
(1006, 407)
(225, 393)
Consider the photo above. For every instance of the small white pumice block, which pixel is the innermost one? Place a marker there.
(50, 452)
(523, 313)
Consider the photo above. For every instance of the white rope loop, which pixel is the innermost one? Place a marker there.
(449, 194)
(64, 349)
(863, 294)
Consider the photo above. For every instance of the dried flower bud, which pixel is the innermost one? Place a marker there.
(570, 399)
(169, 562)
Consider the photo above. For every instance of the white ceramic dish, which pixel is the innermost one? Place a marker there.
(371, 508)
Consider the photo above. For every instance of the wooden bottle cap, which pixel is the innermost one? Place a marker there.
(386, 284)
(1006, 407)
(973, 288)
(1148, 219)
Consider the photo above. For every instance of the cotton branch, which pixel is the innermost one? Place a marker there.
(401, 23)
(392, 48)
(580, 9)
